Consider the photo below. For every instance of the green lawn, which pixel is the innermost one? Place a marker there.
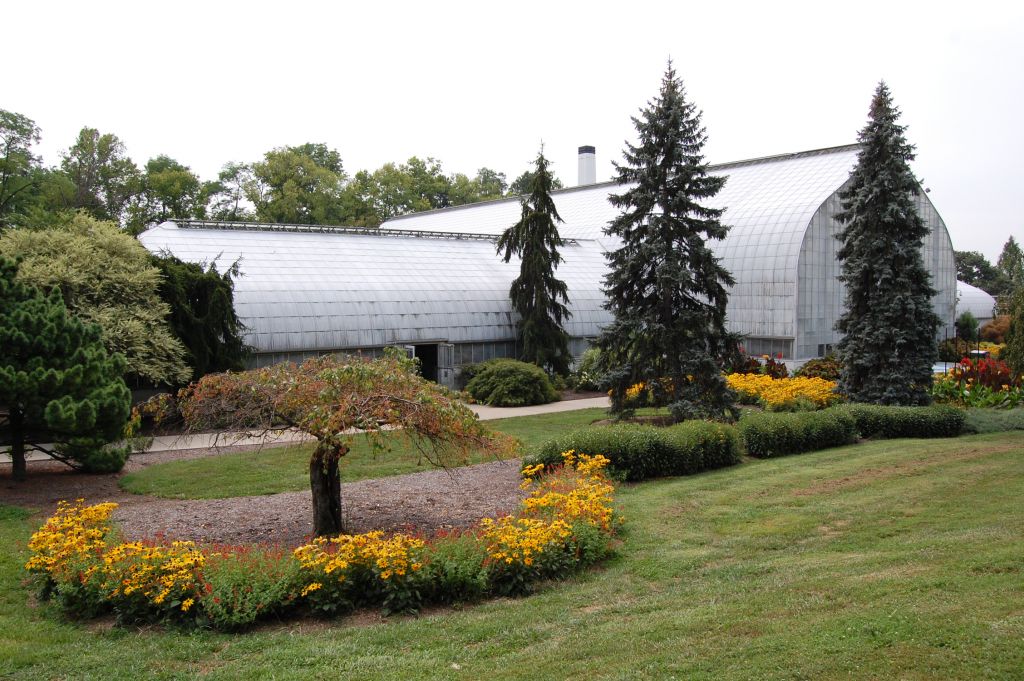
(286, 469)
(892, 559)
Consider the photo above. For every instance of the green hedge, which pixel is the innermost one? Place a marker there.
(511, 383)
(778, 434)
(639, 452)
(875, 421)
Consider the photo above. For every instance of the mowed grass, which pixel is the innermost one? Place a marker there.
(286, 469)
(891, 559)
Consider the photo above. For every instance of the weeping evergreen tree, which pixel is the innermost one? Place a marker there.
(203, 316)
(537, 294)
(666, 288)
(58, 385)
(890, 327)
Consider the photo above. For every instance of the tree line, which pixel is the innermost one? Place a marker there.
(304, 184)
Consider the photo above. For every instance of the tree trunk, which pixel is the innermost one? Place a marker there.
(325, 484)
(17, 446)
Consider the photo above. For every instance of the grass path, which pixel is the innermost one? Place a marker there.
(900, 559)
(286, 469)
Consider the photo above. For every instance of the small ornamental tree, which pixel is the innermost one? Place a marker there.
(57, 383)
(889, 344)
(537, 295)
(336, 399)
(666, 288)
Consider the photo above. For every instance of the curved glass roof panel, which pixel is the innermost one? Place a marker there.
(323, 291)
(974, 300)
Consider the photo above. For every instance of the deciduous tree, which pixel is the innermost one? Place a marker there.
(298, 185)
(666, 288)
(537, 295)
(58, 385)
(974, 269)
(106, 278)
(19, 167)
(105, 178)
(336, 399)
(168, 190)
(889, 325)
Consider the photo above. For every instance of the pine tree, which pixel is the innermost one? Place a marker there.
(537, 295)
(57, 383)
(1011, 263)
(666, 288)
(1013, 353)
(889, 345)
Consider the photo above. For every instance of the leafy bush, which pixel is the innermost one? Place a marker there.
(876, 421)
(827, 368)
(640, 452)
(510, 383)
(967, 326)
(995, 331)
(587, 375)
(456, 572)
(241, 587)
(767, 435)
(980, 383)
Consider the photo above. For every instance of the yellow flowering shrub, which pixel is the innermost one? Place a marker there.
(74, 532)
(778, 394)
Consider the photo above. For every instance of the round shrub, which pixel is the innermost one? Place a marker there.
(827, 368)
(510, 383)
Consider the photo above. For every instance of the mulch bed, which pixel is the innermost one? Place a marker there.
(424, 503)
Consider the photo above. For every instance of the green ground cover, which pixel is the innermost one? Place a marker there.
(286, 469)
(889, 559)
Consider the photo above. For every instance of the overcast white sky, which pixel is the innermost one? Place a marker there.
(479, 84)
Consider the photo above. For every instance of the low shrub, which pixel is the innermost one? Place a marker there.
(768, 435)
(639, 452)
(827, 368)
(995, 331)
(876, 421)
(993, 421)
(510, 383)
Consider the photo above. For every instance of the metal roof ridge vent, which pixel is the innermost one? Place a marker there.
(338, 229)
(587, 165)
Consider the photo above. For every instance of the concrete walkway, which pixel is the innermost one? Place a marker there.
(165, 443)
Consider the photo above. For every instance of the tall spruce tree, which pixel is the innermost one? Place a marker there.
(889, 345)
(537, 294)
(57, 382)
(666, 288)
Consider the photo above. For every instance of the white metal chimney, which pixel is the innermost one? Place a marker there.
(587, 166)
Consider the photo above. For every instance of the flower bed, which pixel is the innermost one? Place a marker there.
(980, 383)
(566, 522)
(784, 394)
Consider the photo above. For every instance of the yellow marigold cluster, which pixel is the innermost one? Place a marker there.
(160, 574)
(74, 531)
(577, 492)
(387, 557)
(775, 392)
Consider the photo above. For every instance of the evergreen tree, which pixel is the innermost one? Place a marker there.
(1011, 263)
(537, 295)
(57, 382)
(666, 288)
(203, 314)
(889, 345)
(1013, 353)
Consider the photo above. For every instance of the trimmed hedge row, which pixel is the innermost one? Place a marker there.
(778, 434)
(770, 434)
(639, 452)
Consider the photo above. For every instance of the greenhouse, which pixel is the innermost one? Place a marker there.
(433, 282)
